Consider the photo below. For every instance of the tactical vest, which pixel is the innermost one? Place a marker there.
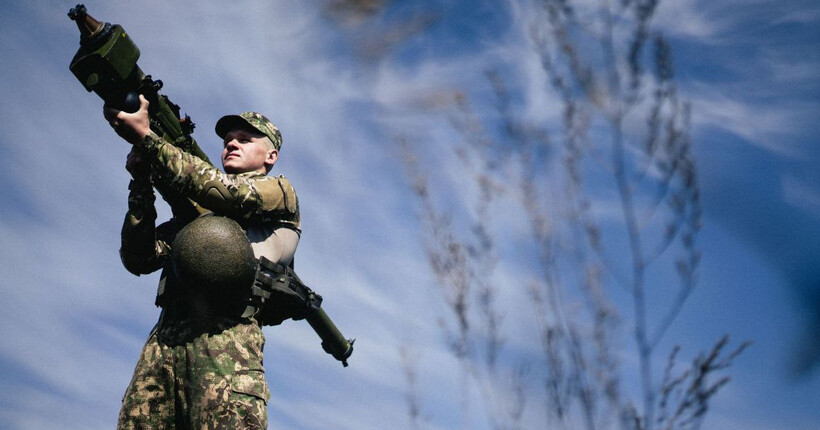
(212, 260)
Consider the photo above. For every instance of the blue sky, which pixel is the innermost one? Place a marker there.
(75, 320)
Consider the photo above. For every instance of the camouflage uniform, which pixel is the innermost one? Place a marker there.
(201, 367)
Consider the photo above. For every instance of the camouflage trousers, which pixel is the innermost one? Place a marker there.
(199, 375)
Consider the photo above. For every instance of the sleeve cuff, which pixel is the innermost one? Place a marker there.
(141, 185)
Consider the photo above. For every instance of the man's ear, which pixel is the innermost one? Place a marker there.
(271, 158)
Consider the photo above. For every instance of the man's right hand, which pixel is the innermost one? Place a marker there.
(132, 127)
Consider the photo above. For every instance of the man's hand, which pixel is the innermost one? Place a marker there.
(137, 165)
(132, 127)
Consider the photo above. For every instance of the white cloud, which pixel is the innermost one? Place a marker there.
(801, 195)
(762, 124)
(808, 14)
(690, 18)
(79, 319)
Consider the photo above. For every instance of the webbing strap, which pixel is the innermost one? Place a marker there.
(278, 294)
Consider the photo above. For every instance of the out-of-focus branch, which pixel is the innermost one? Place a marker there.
(611, 196)
(409, 362)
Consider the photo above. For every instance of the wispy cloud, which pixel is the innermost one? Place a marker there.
(802, 195)
(761, 124)
(75, 320)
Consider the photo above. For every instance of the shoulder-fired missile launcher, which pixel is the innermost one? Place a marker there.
(106, 63)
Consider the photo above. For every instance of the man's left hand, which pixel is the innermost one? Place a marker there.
(132, 127)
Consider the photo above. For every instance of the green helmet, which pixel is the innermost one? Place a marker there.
(212, 255)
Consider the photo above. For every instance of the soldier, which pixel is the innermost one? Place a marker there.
(201, 367)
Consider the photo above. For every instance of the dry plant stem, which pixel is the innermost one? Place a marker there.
(600, 77)
(409, 361)
(638, 273)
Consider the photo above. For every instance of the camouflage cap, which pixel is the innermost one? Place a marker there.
(255, 121)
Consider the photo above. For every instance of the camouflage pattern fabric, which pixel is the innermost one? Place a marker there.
(251, 197)
(197, 370)
(199, 374)
(144, 247)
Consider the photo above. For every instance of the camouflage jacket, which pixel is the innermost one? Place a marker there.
(249, 198)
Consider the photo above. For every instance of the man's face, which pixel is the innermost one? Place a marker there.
(247, 151)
